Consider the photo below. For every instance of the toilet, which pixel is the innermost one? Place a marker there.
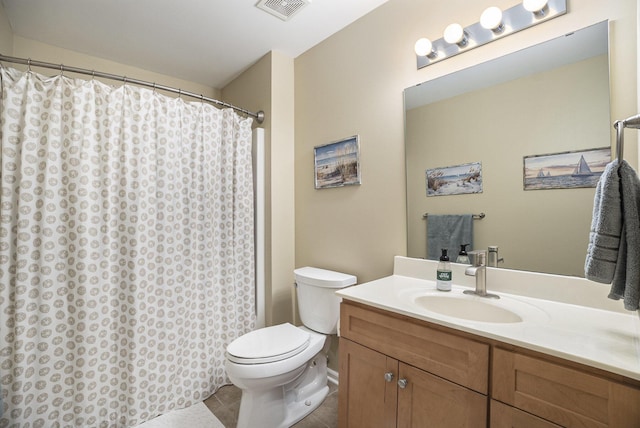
(282, 369)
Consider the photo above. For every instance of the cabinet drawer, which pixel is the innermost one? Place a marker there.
(503, 416)
(458, 359)
(561, 394)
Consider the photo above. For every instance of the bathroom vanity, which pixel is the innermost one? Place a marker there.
(551, 352)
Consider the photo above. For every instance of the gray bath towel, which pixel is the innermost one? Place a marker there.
(606, 227)
(613, 255)
(448, 231)
(626, 281)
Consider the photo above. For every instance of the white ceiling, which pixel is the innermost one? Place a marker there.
(205, 41)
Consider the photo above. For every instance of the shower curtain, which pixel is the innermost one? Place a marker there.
(126, 250)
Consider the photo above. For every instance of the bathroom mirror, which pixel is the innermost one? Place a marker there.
(547, 99)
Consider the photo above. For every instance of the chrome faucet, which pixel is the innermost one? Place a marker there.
(479, 270)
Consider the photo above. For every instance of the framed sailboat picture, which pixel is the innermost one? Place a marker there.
(566, 170)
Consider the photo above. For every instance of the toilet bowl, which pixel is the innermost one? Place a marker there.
(282, 369)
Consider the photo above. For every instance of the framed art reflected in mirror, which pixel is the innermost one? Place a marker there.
(567, 170)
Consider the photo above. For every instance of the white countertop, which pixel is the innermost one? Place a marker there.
(601, 338)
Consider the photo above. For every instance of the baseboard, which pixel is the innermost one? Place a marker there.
(332, 375)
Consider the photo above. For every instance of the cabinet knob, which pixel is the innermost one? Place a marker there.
(402, 383)
(388, 376)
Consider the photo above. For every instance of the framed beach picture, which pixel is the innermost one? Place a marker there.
(337, 164)
(454, 180)
(565, 170)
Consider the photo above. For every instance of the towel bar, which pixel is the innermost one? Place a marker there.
(475, 216)
(619, 125)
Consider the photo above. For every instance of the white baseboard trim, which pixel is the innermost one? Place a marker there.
(332, 375)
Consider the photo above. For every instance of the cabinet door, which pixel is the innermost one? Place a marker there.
(564, 395)
(365, 398)
(503, 416)
(430, 401)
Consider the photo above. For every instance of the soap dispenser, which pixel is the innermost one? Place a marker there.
(443, 275)
(463, 257)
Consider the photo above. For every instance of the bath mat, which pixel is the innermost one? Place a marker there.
(196, 416)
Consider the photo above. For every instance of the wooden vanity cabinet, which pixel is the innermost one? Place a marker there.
(399, 372)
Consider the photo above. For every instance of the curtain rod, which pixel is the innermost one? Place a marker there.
(259, 116)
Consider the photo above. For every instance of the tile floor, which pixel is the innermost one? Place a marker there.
(225, 404)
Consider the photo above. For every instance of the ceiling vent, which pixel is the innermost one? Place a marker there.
(283, 9)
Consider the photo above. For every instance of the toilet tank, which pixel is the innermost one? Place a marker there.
(318, 305)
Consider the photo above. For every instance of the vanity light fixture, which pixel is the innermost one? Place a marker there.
(494, 24)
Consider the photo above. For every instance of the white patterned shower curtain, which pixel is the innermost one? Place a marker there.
(126, 250)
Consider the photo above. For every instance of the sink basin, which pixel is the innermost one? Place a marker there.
(458, 306)
(472, 309)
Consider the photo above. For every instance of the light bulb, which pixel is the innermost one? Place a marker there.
(491, 19)
(424, 47)
(534, 6)
(454, 33)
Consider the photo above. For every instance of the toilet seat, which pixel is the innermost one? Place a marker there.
(269, 344)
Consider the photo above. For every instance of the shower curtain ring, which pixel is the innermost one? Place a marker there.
(29, 64)
(61, 70)
(154, 86)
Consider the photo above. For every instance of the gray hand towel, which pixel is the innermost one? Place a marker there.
(448, 231)
(626, 281)
(606, 227)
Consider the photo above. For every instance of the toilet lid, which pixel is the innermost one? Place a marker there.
(268, 344)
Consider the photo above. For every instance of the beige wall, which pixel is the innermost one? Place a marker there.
(26, 48)
(569, 107)
(282, 189)
(6, 35)
(268, 86)
(352, 83)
